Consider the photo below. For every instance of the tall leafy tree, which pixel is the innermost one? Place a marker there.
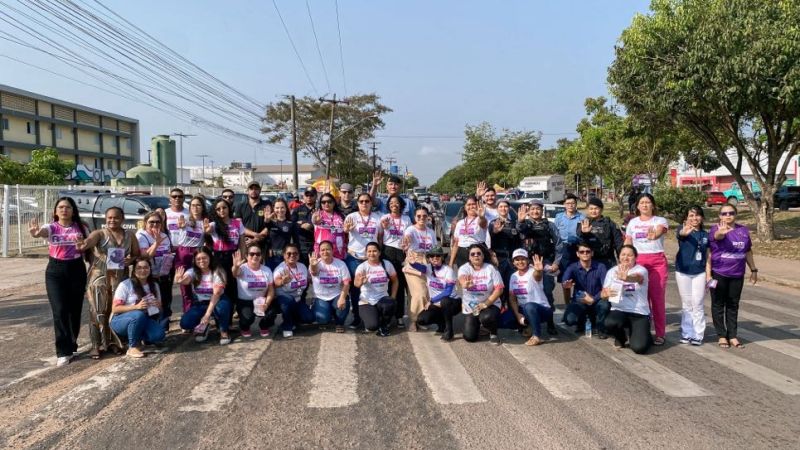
(728, 71)
(44, 168)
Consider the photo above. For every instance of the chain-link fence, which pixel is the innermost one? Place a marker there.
(20, 204)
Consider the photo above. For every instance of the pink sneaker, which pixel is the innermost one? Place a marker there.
(246, 334)
(264, 333)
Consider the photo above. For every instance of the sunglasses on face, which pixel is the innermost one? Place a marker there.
(364, 201)
(153, 222)
(584, 252)
(421, 217)
(254, 254)
(727, 213)
(346, 192)
(476, 254)
(328, 202)
(292, 254)
(176, 196)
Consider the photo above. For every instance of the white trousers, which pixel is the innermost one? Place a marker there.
(692, 289)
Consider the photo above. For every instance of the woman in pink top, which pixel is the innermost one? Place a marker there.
(65, 276)
(329, 226)
(646, 233)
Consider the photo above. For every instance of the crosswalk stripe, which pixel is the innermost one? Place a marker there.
(766, 321)
(781, 346)
(776, 308)
(37, 367)
(335, 380)
(558, 379)
(755, 372)
(655, 374)
(447, 379)
(223, 380)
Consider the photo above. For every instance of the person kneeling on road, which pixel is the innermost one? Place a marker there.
(482, 287)
(625, 288)
(136, 305)
(526, 294)
(291, 279)
(586, 276)
(331, 281)
(441, 282)
(208, 293)
(373, 277)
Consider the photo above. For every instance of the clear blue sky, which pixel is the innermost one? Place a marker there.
(439, 65)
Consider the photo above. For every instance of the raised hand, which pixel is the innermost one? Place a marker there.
(206, 226)
(523, 212)
(480, 189)
(481, 211)
(181, 221)
(179, 274)
(652, 233)
(538, 263)
(33, 226)
(313, 259)
(316, 217)
(238, 260)
(385, 222)
(362, 277)
(586, 226)
(466, 281)
(377, 178)
(129, 260)
(349, 224)
(622, 272)
(687, 229)
(498, 225)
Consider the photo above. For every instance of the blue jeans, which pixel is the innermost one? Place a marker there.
(355, 293)
(326, 310)
(137, 327)
(548, 284)
(535, 314)
(577, 311)
(222, 314)
(293, 311)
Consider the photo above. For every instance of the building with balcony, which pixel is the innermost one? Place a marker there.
(102, 145)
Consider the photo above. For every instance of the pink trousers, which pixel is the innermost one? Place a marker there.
(656, 265)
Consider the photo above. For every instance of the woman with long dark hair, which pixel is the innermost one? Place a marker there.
(690, 275)
(188, 238)
(625, 287)
(329, 226)
(156, 246)
(468, 231)
(394, 224)
(363, 227)
(282, 231)
(291, 279)
(331, 281)
(256, 291)
(207, 281)
(418, 240)
(115, 249)
(375, 277)
(137, 302)
(482, 286)
(65, 276)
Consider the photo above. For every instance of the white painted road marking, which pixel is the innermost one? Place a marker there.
(555, 377)
(447, 379)
(781, 346)
(766, 321)
(222, 382)
(335, 381)
(776, 308)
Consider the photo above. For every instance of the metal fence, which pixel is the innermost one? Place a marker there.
(20, 204)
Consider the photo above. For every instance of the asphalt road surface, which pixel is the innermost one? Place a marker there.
(409, 390)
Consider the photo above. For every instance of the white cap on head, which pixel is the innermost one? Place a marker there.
(520, 252)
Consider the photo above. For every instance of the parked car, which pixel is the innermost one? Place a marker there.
(451, 212)
(92, 206)
(715, 198)
(787, 197)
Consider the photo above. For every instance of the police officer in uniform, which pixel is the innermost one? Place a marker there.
(601, 233)
(301, 216)
(254, 214)
(541, 238)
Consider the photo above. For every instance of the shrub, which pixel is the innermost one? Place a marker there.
(673, 202)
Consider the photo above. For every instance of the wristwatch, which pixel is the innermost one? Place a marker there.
(753, 270)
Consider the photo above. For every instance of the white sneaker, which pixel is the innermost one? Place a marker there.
(224, 340)
(201, 338)
(63, 361)
(287, 334)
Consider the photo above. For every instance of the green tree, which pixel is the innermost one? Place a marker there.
(355, 122)
(44, 168)
(452, 182)
(11, 171)
(727, 71)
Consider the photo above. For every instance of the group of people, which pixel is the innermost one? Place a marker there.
(367, 256)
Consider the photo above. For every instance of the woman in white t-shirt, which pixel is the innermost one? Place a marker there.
(208, 294)
(440, 282)
(526, 294)
(468, 231)
(625, 287)
(375, 277)
(291, 279)
(646, 233)
(156, 246)
(256, 292)
(362, 227)
(394, 225)
(331, 281)
(137, 302)
(418, 239)
(482, 286)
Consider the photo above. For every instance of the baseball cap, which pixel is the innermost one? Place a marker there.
(436, 251)
(253, 183)
(346, 187)
(311, 190)
(519, 253)
(535, 202)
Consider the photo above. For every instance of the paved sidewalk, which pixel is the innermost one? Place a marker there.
(773, 270)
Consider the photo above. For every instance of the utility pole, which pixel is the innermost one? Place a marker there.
(280, 180)
(333, 103)
(295, 178)
(390, 160)
(182, 135)
(203, 177)
(374, 146)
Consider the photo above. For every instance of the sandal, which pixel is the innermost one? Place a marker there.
(94, 353)
(659, 341)
(736, 344)
(723, 343)
(339, 329)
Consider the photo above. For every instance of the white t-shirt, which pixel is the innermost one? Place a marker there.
(438, 282)
(365, 231)
(176, 234)
(393, 236)
(634, 295)
(125, 295)
(299, 281)
(637, 231)
(192, 235)
(145, 240)
(253, 283)
(420, 241)
(377, 285)
(469, 232)
(205, 290)
(484, 282)
(329, 279)
(527, 289)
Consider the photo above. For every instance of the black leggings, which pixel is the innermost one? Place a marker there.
(432, 315)
(488, 317)
(247, 315)
(377, 315)
(725, 305)
(224, 260)
(397, 257)
(450, 308)
(65, 281)
(639, 325)
(165, 287)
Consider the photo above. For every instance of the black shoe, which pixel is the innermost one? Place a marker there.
(601, 335)
(551, 329)
(446, 337)
(382, 332)
(618, 344)
(356, 324)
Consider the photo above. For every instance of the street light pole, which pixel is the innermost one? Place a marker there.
(182, 135)
(203, 177)
(281, 178)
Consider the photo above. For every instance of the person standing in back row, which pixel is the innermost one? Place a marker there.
(601, 233)
(567, 223)
(301, 216)
(394, 186)
(254, 214)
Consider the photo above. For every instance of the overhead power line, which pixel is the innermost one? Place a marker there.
(319, 51)
(291, 41)
(341, 52)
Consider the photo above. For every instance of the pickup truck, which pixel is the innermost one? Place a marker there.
(92, 206)
(787, 197)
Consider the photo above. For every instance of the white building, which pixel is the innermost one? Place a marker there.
(240, 174)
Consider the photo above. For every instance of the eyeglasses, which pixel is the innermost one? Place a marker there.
(153, 222)
(365, 201)
(327, 202)
(142, 268)
(584, 252)
(176, 196)
(421, 217)
(727, 213)
(476, 254)
(292, 254)
(254, 254)
(346, 192)
(221, 208)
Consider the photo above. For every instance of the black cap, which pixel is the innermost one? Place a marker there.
(596, 202)
(311, 190)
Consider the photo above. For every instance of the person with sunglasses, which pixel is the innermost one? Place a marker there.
(646, 232)
(329, 226)
(393, 226)
(440, 282)
(482, 287)
(190, 237)
(375, 277)
(302, 218)
(282, 231)
(115, 250)
(731, 249)
(347, 204)
(362, 227)
(254, 282)
(468, 231)
(625, 288)
(584, 279)
(526, 295)
(134, 313)
(331, 280)
(291, 281)
(208, 282)
(155, 246)
(229, 196)
(418, 240)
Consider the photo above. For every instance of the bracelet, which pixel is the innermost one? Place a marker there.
(753, 270)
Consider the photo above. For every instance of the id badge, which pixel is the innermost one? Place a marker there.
(698, 256)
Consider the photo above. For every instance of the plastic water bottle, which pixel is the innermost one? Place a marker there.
(588, 328)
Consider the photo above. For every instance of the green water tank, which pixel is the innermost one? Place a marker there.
(145, 175)
(163, 154)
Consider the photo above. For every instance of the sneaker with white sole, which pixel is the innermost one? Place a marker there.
(247, 334)
(63, 361)
(224, 340)
(685, 340)
(495, 339)
(264, 333)
(696, 342)
(287, 334)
